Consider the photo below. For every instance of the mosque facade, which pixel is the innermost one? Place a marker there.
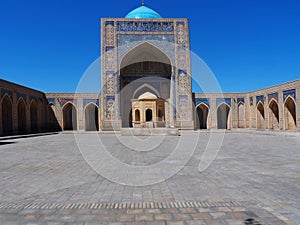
(147, 83)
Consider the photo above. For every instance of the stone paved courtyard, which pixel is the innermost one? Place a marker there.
(253, 180)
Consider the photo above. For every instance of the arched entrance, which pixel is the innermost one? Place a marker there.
(137, 115)
(33, 117)
(69, 117)
(91, 118)
(290, 114)
(222, 116)
(21, 116)
(6, 115)
(273, 115)
(143, 69)
(202, 115)
(149, 116)
(241, 115)
(260, 116)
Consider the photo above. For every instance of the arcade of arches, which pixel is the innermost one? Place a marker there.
(25, 114)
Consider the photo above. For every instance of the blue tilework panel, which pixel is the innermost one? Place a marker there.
(51, 100)
(165, 43)
(8, 92)
(273, 95)
(137, 26)
(21, 95)
(261, 99)
(36, 99)
(63, 101)
(241, 100)
(288, 93)
(202, 100)
(223, 100)
(88, 101)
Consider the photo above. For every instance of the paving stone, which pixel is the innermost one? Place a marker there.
(163, 216)
(253, 176)
(144, 217)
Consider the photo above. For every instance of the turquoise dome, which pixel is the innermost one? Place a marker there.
(143, 12)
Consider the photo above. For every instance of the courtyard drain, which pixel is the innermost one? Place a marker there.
(252, 221)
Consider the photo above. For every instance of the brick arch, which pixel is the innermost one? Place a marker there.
(69, 116)
(290, 114)
(273, 114)
(91, 116)
(260, 115)
(7, 121)
(223, 116)
(202, 112)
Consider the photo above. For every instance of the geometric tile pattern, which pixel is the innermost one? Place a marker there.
(288, 93)
(223, 100)
(261, 99)
(202, 100)
(273, 96)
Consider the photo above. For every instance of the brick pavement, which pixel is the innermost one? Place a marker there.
(185, 213)
(259, 171)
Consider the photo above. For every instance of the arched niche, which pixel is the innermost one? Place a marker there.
(202, 111)
(91, 117)
(223, 116)
(6, 115)
(144, 68)
(273, 115)
(260, 116)
(69, 117)
(290, 114)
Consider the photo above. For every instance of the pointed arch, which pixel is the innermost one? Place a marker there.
(137, 115)
(144, 51)
(241, 115)
(273, 114)
(260, 116)
(33, 116)
(290, 114)
(143, 89)
(21, 110)
(149, 115)
(223, 111)
(145, 68)
(69, 116)
(6, 115)
(202, 111)
(91, 117)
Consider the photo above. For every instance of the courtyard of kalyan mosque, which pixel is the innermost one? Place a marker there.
(146, 149)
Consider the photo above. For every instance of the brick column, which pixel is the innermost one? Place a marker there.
(213, 111)
(254, 112)
(266, 109)
(28, 124)
(15, 113)
(80, 115)
(281, 110)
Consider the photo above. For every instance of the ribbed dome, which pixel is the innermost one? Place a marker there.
(143, 12)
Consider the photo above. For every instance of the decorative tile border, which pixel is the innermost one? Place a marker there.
(144, 205)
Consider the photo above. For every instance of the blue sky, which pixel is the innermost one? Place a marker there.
(48, 45)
